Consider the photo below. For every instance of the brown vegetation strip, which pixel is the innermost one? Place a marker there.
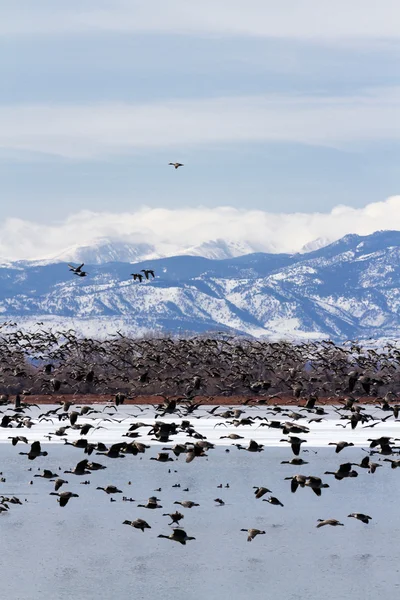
(210, 400)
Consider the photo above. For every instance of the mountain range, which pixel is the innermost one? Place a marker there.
(347, 289)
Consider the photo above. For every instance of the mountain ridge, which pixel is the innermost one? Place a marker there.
(347, 289)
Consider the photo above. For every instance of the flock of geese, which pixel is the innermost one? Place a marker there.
(76, 426)
(246, 370)
(144, 273)
(281, 388)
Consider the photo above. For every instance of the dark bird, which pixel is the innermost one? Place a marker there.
(151, 503)
(35, 451)
(176, 165)
(110, 489)
(361, 517)
(63, 497)
(147, 272)
(340, 445)
(76, 269)
(176, 517)
(260, 491)
(273, 500)
(178, 535)
(333, 522)
(252, 533)
(138, 524)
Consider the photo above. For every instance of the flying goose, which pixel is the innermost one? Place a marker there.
(178, 535)
(176, 517)
(151, 503)
(176, 165)
(273, 500)
(110, 489)
(138, 524)
(343, 471)
(63, 497)
(187, 503)
(251, 533)
(47, 474)
(333, 522)
(35, 451)
(297, 480)
(315, 483)
(340, 445)
(260, 491)
(361, 517)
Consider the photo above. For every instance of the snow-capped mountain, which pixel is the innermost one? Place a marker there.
(104, 250)
(348, 289)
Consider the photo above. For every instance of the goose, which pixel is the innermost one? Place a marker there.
(297, 480)
(176, 165)
(333, 522)
(252, 533)
(294, 461)
(187, 503)
(63, 497)
(148, 272)
(80, 469)
(178, 535)
(162, 457)
(47, 474)
(75, 269)
(343, 471)
(295, 444)
(110, 489)
(35, 451)
(361, 517)
(315, 483)
(18, 438)
(260, 491)
(367, 464)
(273, 500)
(151, 503)
(176, 517)
(254, 447)
(219, 502)
(340, 445)
(58, 483)
(138, 524)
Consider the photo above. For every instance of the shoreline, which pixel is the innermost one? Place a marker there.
(254, 400)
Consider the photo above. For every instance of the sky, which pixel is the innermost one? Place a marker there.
(276, 110)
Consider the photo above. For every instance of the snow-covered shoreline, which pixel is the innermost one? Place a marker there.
(114, 424)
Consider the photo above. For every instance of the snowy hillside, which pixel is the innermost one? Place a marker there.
(348, 289)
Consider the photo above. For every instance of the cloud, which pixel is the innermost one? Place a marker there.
(105, 129)
(176, 231)
(288, 18)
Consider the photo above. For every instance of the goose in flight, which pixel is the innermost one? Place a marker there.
(147, 272)
(75, 269)
(251, 533)
(176, 165)
(63, 497)
(178, 535)
(333, 522)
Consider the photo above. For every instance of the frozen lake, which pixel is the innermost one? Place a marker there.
(83, 550)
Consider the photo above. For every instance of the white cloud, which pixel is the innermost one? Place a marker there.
(104, 129)
(288, 18)
(174, 231)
